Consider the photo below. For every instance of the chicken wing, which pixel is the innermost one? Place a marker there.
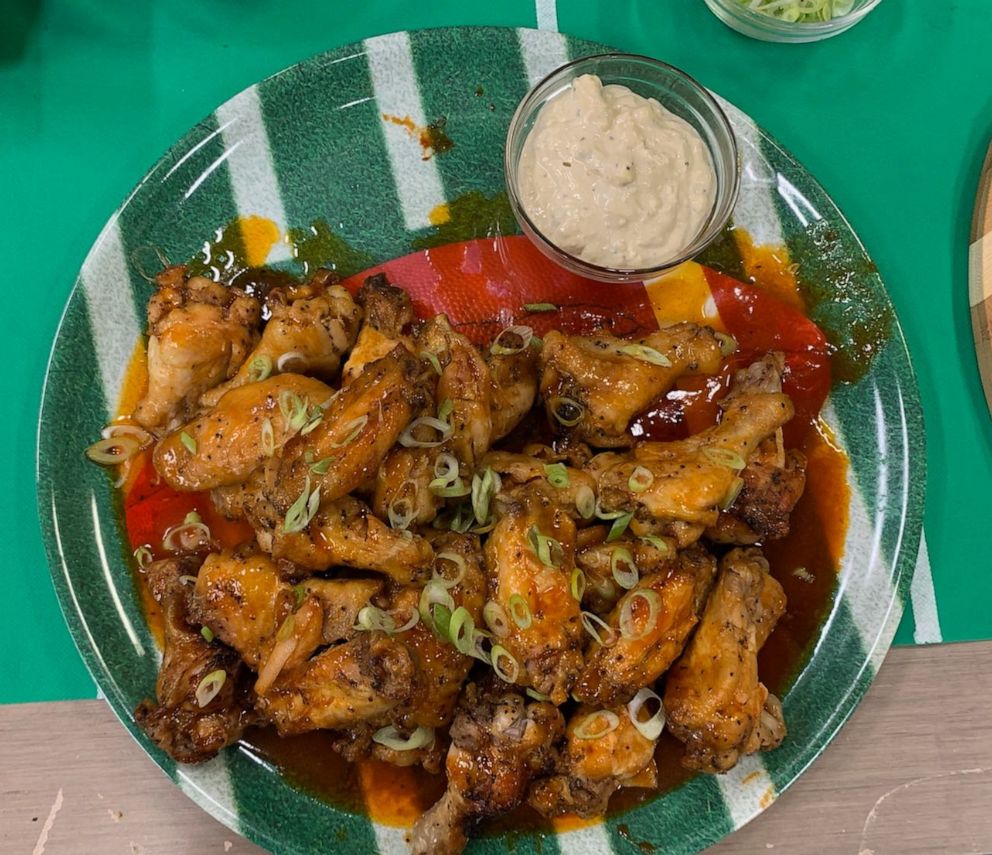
(592, 770)
(499, 743)
(648, 628)
(530, 557)
(514, 388)
(388, 313)
(246, 427)
(597, 561)
(187, 721)
(310, 328)
(345, 532)
(341, 600)
(713, 699)
(199, 335)
(593, 385)
(522, 474)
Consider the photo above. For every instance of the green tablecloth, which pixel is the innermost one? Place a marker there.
(893, 118)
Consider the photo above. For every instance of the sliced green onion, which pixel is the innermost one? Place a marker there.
(354, 428)
(655, 541)
(651, 727)
(599, 629)
(479, 650)
(446, 408)
(625, 578)
(287, 629)
(495, 617)
(112, 450)
(728, 344)
(268, 438)
(484, 488)
(299, 595)
(456, 489)
(209, 687)
(293, 409)
(455, 559)
(143, 555)
(436, 605)
(585, 501)
(462, 520)
(462, 630)
(596, 725)
(627, 627)
(412, 621)
(391, 738)
(446, 468)
(724, 457)
(315, 418)
(504, 664)
(735, 490)
(207, 633)
(540, 307)
(400, 513)
(372, 618)
(800, 11)
(619, 526)
(192, 534)
(557, 475)
(577, 584)
(259, 368)
(505, 348)
(607, 515)
(566, 411)
(646, 354)
(408, 440)
(432, 359)
(291, 356)
(188, 442)
(187, 580)
(322, 466)
(548, 550)
(640, 479)
(537, 696)
(302, 511)
(536, 342)
(519, 611)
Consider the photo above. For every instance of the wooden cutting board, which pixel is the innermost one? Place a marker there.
(980, 276)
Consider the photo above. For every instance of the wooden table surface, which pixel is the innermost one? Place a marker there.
(910, 773)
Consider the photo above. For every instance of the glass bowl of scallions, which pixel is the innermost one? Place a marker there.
(791, 20)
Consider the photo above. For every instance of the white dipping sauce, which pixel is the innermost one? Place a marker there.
(614, 178)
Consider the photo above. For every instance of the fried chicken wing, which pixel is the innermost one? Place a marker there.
(402, 486)
(388, 313)
(341, 600)
(199, 335)
(650, 625)
(713, 699)
(592, 770)
(514, 388)
(342, 686)
(359, 426)
(545, 632)
(246, 427)
(310, 328)
(606, 381)
(597, 560)
(499, 743)
(522, 475)
(187, 722)
(345, 532)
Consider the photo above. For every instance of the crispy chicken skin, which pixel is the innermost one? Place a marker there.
(713, 699)
(358, 428)
(230, 440)
(499, 743)
(388, 313)
(592, 770)
(199, 335)
(615, 671)
(176, 722)
(317, 323)
(345, 532)
(610, 385)
(546, 640)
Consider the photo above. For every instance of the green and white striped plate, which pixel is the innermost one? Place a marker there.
(310, 144)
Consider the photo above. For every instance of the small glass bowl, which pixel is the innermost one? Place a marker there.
(673, 89)
(768, 29)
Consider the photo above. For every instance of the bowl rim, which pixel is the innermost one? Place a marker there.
(798, 29)
(627, 274)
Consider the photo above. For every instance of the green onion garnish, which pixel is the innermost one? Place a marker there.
(445, 410)
(268, 438)
(577, 584)
(624, 569)
(735, 490)
(302, 510)
(724, 457)
(540, 307)
(557, 475)
(640, 479)
(646, 354)
(461, 630)
(432, 359)
(619, 526)
(143, 555)
(548, 550)
(566, 411)
(321, 466)
(596, 725)
(655, 541)
(519, 611)
(207, 633)
(504, 664)
(517, 339)
(259, 368)
(293, 409)
(209, 687)
(188, 442)
(355, 427)
(484, 488)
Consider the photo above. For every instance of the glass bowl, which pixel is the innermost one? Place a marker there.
(673, 89)
(766, 28)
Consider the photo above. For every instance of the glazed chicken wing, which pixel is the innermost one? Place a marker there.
(530, 558)
(345, 532)
(593, 769)
(199, 335)
(193, 719)
(387, 314)
(248, 426)
(310, 328)
(514, 388)
(648, 628)
(598, 559)
(499, 743)
(713, 699)
(341, 600)
(601, 382)
(522, 475)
